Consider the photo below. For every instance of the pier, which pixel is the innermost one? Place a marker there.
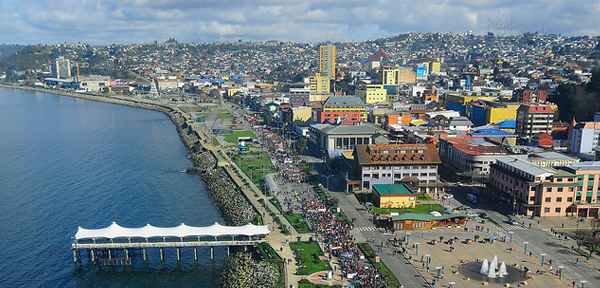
(113, 245)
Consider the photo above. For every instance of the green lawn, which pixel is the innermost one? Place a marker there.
(298, 222)
(234, 136)
(215, 142)
(308, 254)
(252, 164)
(383, 269)
(419, 209)
(225, 116)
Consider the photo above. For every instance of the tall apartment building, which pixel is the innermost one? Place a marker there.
(61, 68)
(534, 119)
(319, 84)
(390, 75)
(583, 137)
(327, 60)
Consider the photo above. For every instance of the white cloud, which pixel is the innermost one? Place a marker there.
(99, 21)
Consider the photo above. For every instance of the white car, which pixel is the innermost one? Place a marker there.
(447, 196)
(471, 214)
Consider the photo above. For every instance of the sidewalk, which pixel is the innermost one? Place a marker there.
(277, 240)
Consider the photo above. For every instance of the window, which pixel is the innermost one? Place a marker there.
(569, 199)
(560, 189)
(547, 209)
(557, 209)
(532, 198)
(411, 198)
(375, 176)
(366, 175)
(558, 199)
(548, 199)
(548, 189)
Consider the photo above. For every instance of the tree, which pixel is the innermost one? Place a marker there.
(581, 237)
(593, 243)
(300, 145)
(595, 225)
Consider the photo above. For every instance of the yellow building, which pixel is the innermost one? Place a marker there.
(318, 97)
(327, 60)
(373, 93)
(232, 91)
(393, 196)
(433, 67)
(319, 84)
(497, 114)
(390, 75)
(301, 115)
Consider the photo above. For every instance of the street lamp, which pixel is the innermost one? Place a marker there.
(543, 255)
(328, 180)
(407, 238)
(510, 233)
(439, 271)
(417, 249)
(525, 247)
(427, 260)
(560, 272)
(583, 283)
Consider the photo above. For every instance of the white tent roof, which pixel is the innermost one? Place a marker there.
(116, 231)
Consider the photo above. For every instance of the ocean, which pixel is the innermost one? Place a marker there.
(67, 162)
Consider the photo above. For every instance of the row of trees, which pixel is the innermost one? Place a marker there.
(579, 101)
(589, 237)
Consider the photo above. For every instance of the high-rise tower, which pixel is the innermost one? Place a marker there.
(327, 60)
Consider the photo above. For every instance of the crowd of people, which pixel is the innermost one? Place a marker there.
(284, 158)
(335, 236)
(329, 229)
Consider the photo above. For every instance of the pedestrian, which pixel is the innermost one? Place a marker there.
(538, 222)
(577, 261)
(573, 284)
(530, 253)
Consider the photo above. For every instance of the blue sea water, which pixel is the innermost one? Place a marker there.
(68, 162)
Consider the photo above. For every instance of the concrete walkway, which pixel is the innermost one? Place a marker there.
(278, 241)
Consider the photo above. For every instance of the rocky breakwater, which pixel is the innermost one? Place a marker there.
(241, 270)
(225, 194)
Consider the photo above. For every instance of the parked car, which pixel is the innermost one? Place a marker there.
(463, 207)
(447, 196)
(483, 215)
(471, 214)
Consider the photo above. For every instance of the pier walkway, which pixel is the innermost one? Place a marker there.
(114, 238)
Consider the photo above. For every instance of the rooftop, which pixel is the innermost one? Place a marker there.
(425, 217)
(393, 189)
(490, 132)
(524, 165)
(344, 101)
(551, 156)
(590, 165)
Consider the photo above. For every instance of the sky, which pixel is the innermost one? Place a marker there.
(104, 22)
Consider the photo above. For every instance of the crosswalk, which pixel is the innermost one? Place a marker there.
(365, 229)
(510, 227)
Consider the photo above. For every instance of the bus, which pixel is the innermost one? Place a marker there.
(472, 198)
